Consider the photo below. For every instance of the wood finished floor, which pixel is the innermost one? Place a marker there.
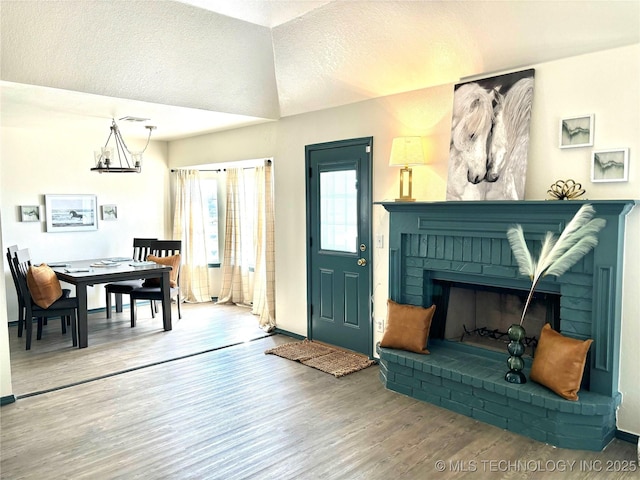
(236, 413)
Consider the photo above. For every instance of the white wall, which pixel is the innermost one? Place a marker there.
(604, 83)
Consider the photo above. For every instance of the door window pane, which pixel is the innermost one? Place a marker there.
(339, 211)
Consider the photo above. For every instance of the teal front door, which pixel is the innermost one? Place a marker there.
(339, 242)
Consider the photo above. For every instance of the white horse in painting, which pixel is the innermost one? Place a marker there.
(471, 124)
(509, 142)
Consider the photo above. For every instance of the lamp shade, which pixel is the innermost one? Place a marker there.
(407, 151)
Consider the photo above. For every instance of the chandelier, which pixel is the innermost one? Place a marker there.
(127, 161)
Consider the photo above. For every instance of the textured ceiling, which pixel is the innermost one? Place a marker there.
(203, 65)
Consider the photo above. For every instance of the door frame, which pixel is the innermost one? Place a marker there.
(367, 209)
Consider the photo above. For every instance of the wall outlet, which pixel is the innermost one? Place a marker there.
(380, 325)
(379, 240)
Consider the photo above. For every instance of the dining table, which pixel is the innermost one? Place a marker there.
(85, 273)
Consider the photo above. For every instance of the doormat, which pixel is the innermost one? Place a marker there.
(325, 358)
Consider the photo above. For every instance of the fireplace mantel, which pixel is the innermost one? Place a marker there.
(466, 241)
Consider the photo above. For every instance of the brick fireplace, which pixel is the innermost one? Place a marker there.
(465, 243)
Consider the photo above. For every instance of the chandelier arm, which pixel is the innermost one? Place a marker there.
(122, 148)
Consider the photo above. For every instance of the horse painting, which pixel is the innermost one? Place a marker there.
(490, 138)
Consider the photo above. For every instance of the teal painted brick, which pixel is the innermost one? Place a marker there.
(436, 370)
(427, 397)
(490, 418)
(466, 399)
(578, 443)
(498, 271)
(574, 290)
(464, 267)
(603, 409)
(427, 377)
(401, 369)
(490, 396)
(574, 419)
(536, 421)
(399, 388)
(467, 379)
(414, 281)
(577, 279)
(408, 381)
(567, 406)
(512, 392)
(568, 314)
(527, 407)
(525, 396)
(501, 411)
(456, 407)
(432, 264)
(577, 303)
(456, 377)
(435, 390)
(538, 401)
(527, 430)
(460, 387)
(580, 431)
(414, 293)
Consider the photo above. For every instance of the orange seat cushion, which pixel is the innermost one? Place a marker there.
(559, 361)
(172, 261)
(43, 285)
(407, 327)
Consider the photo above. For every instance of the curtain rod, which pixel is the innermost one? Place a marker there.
(268, 161)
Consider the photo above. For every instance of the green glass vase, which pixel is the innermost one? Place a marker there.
(515, 348)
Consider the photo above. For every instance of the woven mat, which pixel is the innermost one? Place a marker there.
(322, 357)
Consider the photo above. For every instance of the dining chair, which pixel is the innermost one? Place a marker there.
(166, 252)
(141, 249)
(64, 307)
(11, 251)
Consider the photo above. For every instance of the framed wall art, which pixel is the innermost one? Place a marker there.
(610, 165)
(109, 212)
(577, 131)
(30, 213)
(71, 213)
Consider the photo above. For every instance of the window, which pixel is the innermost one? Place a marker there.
(209, 188)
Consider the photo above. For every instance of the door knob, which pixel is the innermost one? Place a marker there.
(362, 262)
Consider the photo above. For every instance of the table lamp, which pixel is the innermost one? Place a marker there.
(406, 151)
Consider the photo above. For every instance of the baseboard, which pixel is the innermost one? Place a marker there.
(7, 400)
(627, 437)
(288, 334)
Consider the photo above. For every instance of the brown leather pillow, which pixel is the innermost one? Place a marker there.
(407, 327)
(559, 361)
(43, 285)
(172, 261)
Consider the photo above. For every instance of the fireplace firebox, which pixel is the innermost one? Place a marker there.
(440, 249)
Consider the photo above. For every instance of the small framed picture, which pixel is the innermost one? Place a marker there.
(109, 212)
(610, 165)
(577, 131)
(30, 213)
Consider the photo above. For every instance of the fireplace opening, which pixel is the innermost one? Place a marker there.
(480, 315)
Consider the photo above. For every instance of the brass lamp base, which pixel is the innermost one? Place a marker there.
(405, 171)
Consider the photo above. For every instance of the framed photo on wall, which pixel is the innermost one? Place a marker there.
(577, 131)
(109, 212)
(610, 165)
(71, 213)
(30, 213)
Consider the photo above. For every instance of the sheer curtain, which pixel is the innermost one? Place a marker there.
(189, 225)
(264, 283)
(239, 284)
(235, 273)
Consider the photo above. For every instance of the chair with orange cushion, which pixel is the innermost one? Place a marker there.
(165, 252)
(42, 296)
(141, 249)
